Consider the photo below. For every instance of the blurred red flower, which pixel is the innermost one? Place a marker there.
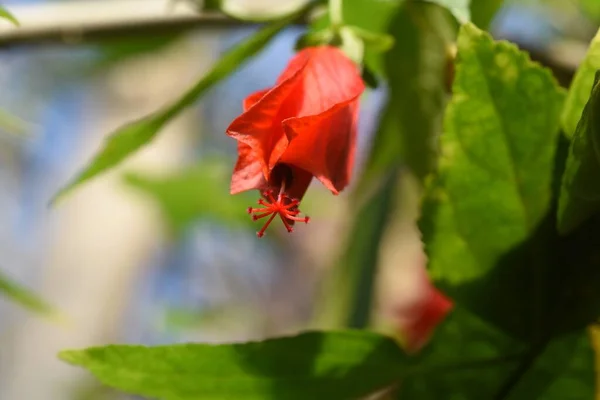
(417, 319)
(303, 127)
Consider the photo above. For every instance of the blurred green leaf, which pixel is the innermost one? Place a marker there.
(458, 8)
(12, 124)
(313, 365)
(562, 370)
(113, 52)
(201, 191)
(580, 89)
(4, 13)
(580, 192)
(484, 213)
(483, 12)
(591, 8)
(376, 21)
(129, 138)
(417, 68)
(352, 277)
(24, 297)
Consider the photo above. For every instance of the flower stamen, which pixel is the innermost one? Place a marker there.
(284, 206)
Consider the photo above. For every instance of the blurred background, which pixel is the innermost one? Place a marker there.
(156, 251)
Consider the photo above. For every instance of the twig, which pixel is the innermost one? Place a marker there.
(94, 32)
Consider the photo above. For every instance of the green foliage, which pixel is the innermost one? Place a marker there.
(417, 70)
(580, 89)
(591, 8)
(4, 13)
(493, 187)
(201, 191)
(483, 11)
(580, 194)
(459, 8)
(563, 369)
(131, 137)
(24, 297)
(314, 365)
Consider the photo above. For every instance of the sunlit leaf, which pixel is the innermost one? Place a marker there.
(580, 193)
(580, 89)
(314, 365)
(131, 137)
(483, 210)
(4, 13)
(24, 297)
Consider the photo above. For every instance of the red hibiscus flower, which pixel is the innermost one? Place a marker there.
(303, 127)
(418, 318)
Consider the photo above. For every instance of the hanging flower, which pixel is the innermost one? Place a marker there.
(303, 127)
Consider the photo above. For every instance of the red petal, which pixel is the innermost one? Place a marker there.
(260, 125)
(328, 78)
(254, 98)
(316, 101)
(325, 144)
(247, 173)
(430, 313)
(300, 183)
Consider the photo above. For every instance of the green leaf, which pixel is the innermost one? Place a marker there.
(463, 336)
(196, 192)
(313, 365)
(580, 192)
(115, 51)
(591, 8)
(490, 197)
(416, 68)
(131, 137)
(4, 13)
(580, 89)
(483, 11)
(564, 369)
(24, 297)
(458, 8)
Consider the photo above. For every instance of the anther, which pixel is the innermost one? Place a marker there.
(282, 205)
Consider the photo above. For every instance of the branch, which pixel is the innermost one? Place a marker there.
(100, 31)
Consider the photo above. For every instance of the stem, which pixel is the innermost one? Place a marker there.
(335, 12)
(514, 378)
